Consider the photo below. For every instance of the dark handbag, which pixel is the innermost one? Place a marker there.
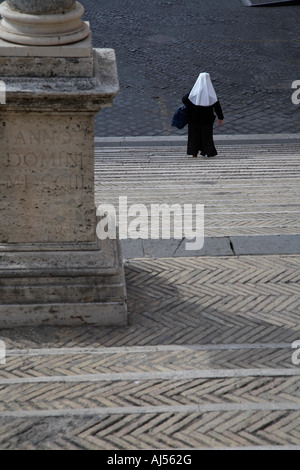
(180, 118)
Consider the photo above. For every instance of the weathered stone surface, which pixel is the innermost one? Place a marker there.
(49, 26)
(52, 270)
(62, 284)
(47, 143)
(88, 94)
(47, 67)
(37, 7)
(47, 178)
(80, 49)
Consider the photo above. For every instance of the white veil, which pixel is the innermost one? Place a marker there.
(203, 93)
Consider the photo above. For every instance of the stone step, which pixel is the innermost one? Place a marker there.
(207, 361)
(110, 364)
(157, 395)
(250, 195)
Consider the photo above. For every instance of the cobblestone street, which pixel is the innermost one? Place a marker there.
(252, 55)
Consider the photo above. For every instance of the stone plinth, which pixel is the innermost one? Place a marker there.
(53, 269)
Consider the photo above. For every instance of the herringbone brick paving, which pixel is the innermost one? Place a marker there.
(247, 189)
(97, 361)
(71, 362)
(206, 358)
(154, 431)
(122, 393)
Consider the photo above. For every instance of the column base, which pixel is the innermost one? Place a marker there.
(62, 285)
(43, 30)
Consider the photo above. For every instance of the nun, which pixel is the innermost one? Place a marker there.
(203, 106)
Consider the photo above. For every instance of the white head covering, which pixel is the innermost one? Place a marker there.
(203, 93)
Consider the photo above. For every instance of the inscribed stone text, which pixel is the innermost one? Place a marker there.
(40, 168)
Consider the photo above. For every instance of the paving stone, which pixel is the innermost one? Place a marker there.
(251, 53)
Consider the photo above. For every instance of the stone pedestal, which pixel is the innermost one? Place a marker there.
(53, 270)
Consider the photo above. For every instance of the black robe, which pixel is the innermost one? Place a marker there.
(200, 127)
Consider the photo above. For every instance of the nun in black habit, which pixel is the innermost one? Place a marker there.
(203, 106)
